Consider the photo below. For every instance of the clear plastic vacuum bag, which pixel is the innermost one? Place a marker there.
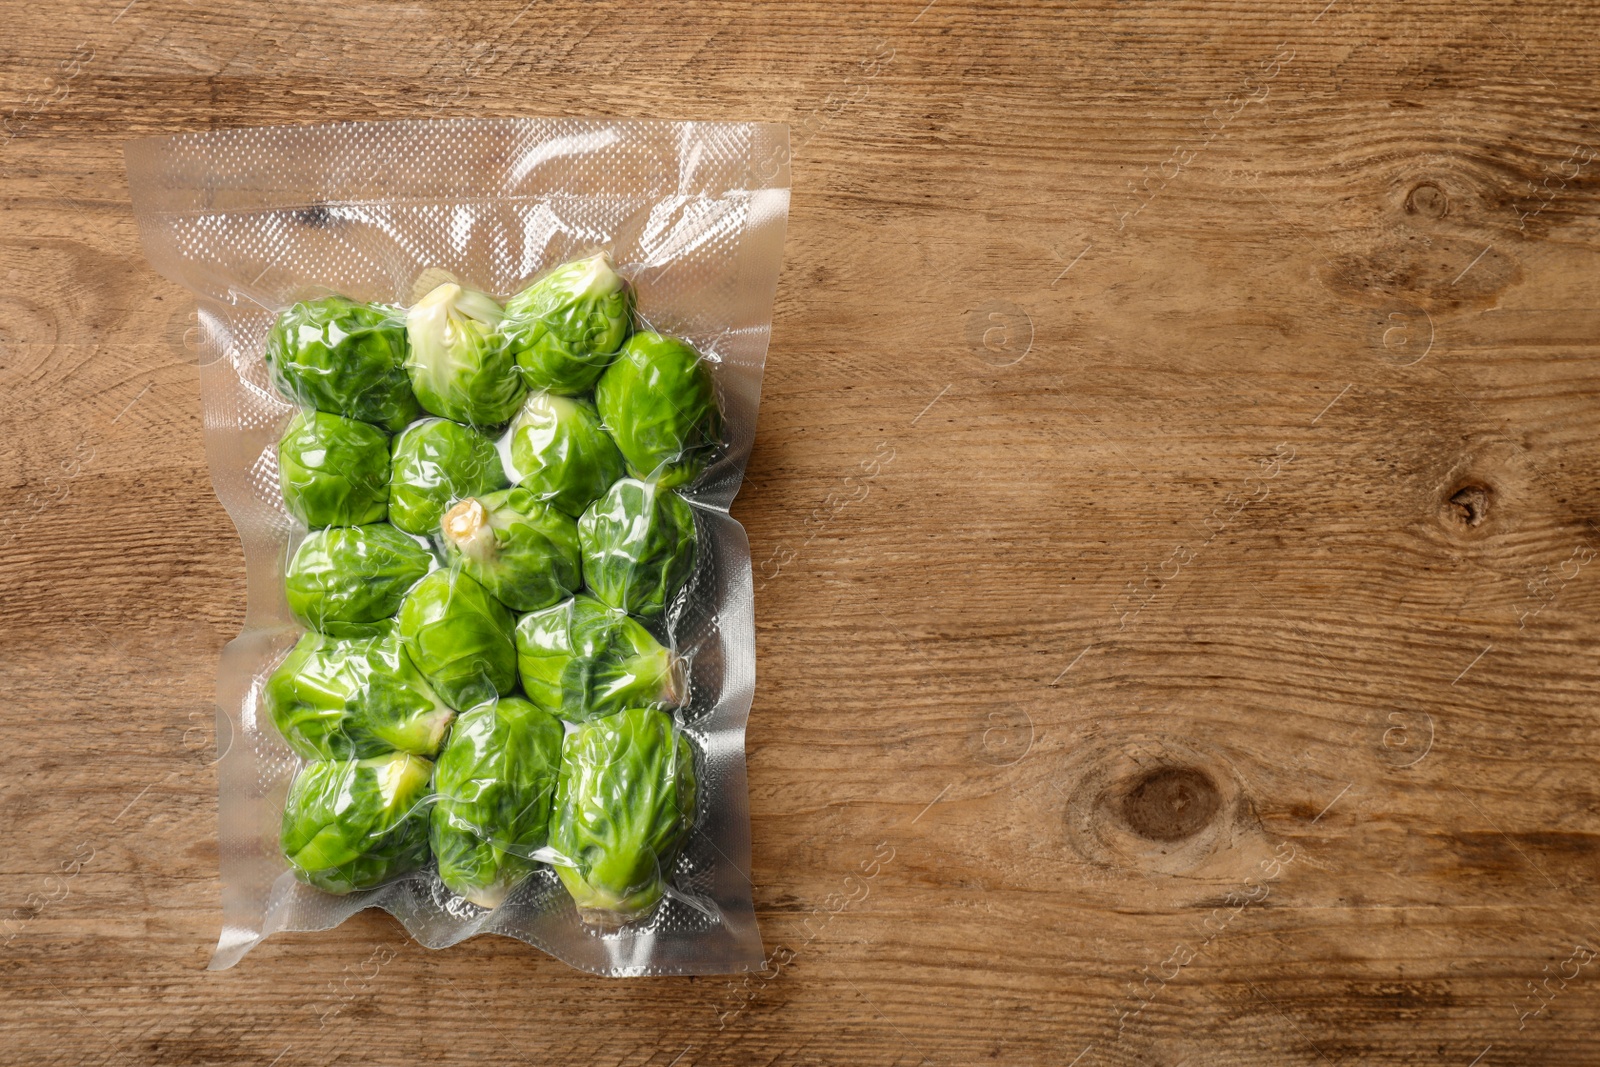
(478, 395)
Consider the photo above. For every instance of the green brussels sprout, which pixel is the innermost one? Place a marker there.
(523, 552)
(625, 804)
(638, 546)
(354, 698)
(493, 788)
(350, 825)
(565, 328)
(460, 638)
(460, 366)
(343, 357)
(334, 471)
(436, 463)
(347, 580)
(658, 402)
(582, 659)
(563, 454)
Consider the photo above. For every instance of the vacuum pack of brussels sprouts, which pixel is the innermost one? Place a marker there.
(478, 395)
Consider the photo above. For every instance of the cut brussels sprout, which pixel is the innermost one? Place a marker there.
(459, 364)
(350, 825)
(344, 357)
(523, 552)
(348, 580)
(581, 659)
(460, 638)
(565, 327)
(437, 462)
(354, 698)
(493, 789)
(625, 805)
(658, 402)
(562, 453)
(638, 546)
(334, 471)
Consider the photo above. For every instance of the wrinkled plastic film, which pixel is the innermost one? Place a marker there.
(252, 221)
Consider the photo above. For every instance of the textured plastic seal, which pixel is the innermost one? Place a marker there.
(693, 215)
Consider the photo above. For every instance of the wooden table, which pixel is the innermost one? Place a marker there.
(1206, 674)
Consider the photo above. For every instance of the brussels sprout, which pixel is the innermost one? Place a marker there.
(460, 366)
(356, 824)
(346, 580)
(563, 454)
(658, 402)
(493, 786)
(625, 804)
(460, 638)
(523, 552)
(582, 659)
(638, 546)
(565, 327)
(354, 698)
(343, 357)
(334, 471)
(436, 463)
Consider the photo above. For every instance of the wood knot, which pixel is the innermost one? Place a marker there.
(1427, 200)
(1157, 803)
(1477, 495)
(1171, 804)
(1471, 504)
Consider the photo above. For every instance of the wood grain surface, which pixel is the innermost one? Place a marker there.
(1176, 508)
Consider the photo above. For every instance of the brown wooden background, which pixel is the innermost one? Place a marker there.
(1176, 505)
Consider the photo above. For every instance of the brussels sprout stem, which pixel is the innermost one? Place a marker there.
(436, 725)
(399, 777)
(467, 527)
(490, 896)
(479, 306)
(674, 685)
(598, 278)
